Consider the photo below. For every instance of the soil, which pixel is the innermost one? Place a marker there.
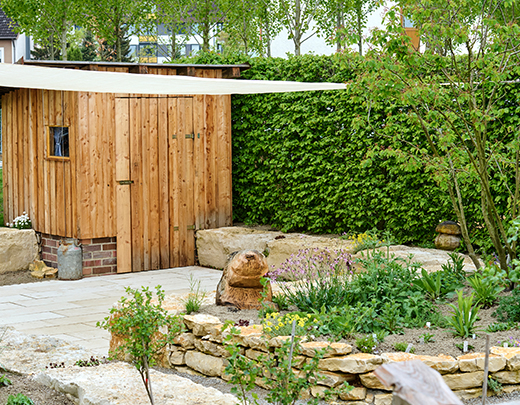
(444, 339)
(19, 277)
(39, 394)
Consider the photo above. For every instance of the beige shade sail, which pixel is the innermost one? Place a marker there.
(36, 77)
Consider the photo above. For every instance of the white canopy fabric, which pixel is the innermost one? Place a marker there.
(36, 77)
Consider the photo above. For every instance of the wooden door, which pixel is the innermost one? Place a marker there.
(156, 182)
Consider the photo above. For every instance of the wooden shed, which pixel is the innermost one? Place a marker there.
(131, 176)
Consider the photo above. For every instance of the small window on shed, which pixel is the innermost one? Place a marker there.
(58, 142)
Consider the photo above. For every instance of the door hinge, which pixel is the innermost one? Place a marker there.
(192, 136)
(174, 136)
(175, 228)
(191, 227)
(125, 182)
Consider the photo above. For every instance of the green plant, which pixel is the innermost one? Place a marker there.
(367, 344)
(138, 321)
(494, 385)
(427, 337)
(195, 297)
(464, 315)
(402, 346)
(281, 301)
(19, 399)
(431, 285)
(275, 324)
(4, 381)
(509, 307)
(501, 326)
(486, 290)
(275, 368)
(369, 240)
(460, 346)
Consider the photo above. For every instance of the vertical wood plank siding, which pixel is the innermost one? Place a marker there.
(177, 152)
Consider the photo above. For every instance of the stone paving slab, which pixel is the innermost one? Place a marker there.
(71, 309)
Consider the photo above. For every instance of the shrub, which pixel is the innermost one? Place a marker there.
(509, 307)
(195, 297)
(402, 346)
(367, 344)
(275, 324)
(486, 290)
(4, 381)
(21, 222)
(138, 321)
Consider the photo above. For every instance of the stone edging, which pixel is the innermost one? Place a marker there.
(200, 351)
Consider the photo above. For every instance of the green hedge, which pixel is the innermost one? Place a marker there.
(303, 162)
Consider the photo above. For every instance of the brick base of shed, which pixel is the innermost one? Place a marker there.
(99, 255)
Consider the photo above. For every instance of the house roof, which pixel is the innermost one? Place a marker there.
(50, 78)
(6, 32)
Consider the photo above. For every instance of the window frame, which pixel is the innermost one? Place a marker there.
(50, 138)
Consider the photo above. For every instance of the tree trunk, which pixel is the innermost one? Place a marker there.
(52, 51)
(63, 40)
(339, 25)
(205, 37)
(119, 57)
(297, 28)
(359, 15)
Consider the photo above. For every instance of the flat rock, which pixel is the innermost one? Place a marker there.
(331, 349)
(442, 363)
(356, 394)
(449, 227)
(475, 362)
(511, 354)
(18, 249)
(121, 384)
(370, 380)
(507, 377)
(215, 245)
(464, 381)
(204, 363)
(331, 379)
(201, 324)
(352, 364)
(430, 259)
(383, 399)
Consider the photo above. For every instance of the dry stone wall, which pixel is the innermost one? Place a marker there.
(200, 350)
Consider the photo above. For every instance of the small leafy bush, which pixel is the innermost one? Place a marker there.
(494, 385)
(427, 337)
(275, 369)
(431, 285)
(4, 381)
(367, 344)
(21, 222)
(402, 346)
(460, 346)
(486, 290)
(501, 326)
(275, 324)
(509, 307)
(369, 240)
(92, 362)
(138, 321)
(19, 399)
(512, 342)
(464, 316)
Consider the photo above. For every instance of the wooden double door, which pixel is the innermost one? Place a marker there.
(159, 160)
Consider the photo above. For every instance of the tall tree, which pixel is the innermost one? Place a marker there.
(47, 21)
(171, 16)
(343, 21)
(460, 103)
(113, 20)
(269, 24)
(298, 18)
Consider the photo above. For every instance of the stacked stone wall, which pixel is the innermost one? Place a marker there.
(200, 350)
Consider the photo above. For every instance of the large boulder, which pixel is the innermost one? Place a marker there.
(18, 249)
(215, 245)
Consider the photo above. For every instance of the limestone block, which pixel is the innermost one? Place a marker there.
(357, 393)
(332, 349)
(318, 391)
(353, 364)
(18, 249)
(470, 393)
(370, 380)
(186, 340)
(251, 336)
(204, 363)
(507, 377)
(187, 370)
(464, 381)
(331, 379)
(383, 399)
(475, 362)
(281, 249)
(201, 324)
(39, 269)
(215, 245)
(211, 348)
(255, 354)
(215, 333)
(511, 354)
(506, 389)
(176, 356)
(369, 398)
(442, 363)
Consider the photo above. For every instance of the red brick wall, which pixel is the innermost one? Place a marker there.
(99, 255)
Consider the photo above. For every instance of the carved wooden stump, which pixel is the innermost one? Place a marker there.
(240, 285)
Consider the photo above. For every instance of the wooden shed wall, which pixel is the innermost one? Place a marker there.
(76, 197)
